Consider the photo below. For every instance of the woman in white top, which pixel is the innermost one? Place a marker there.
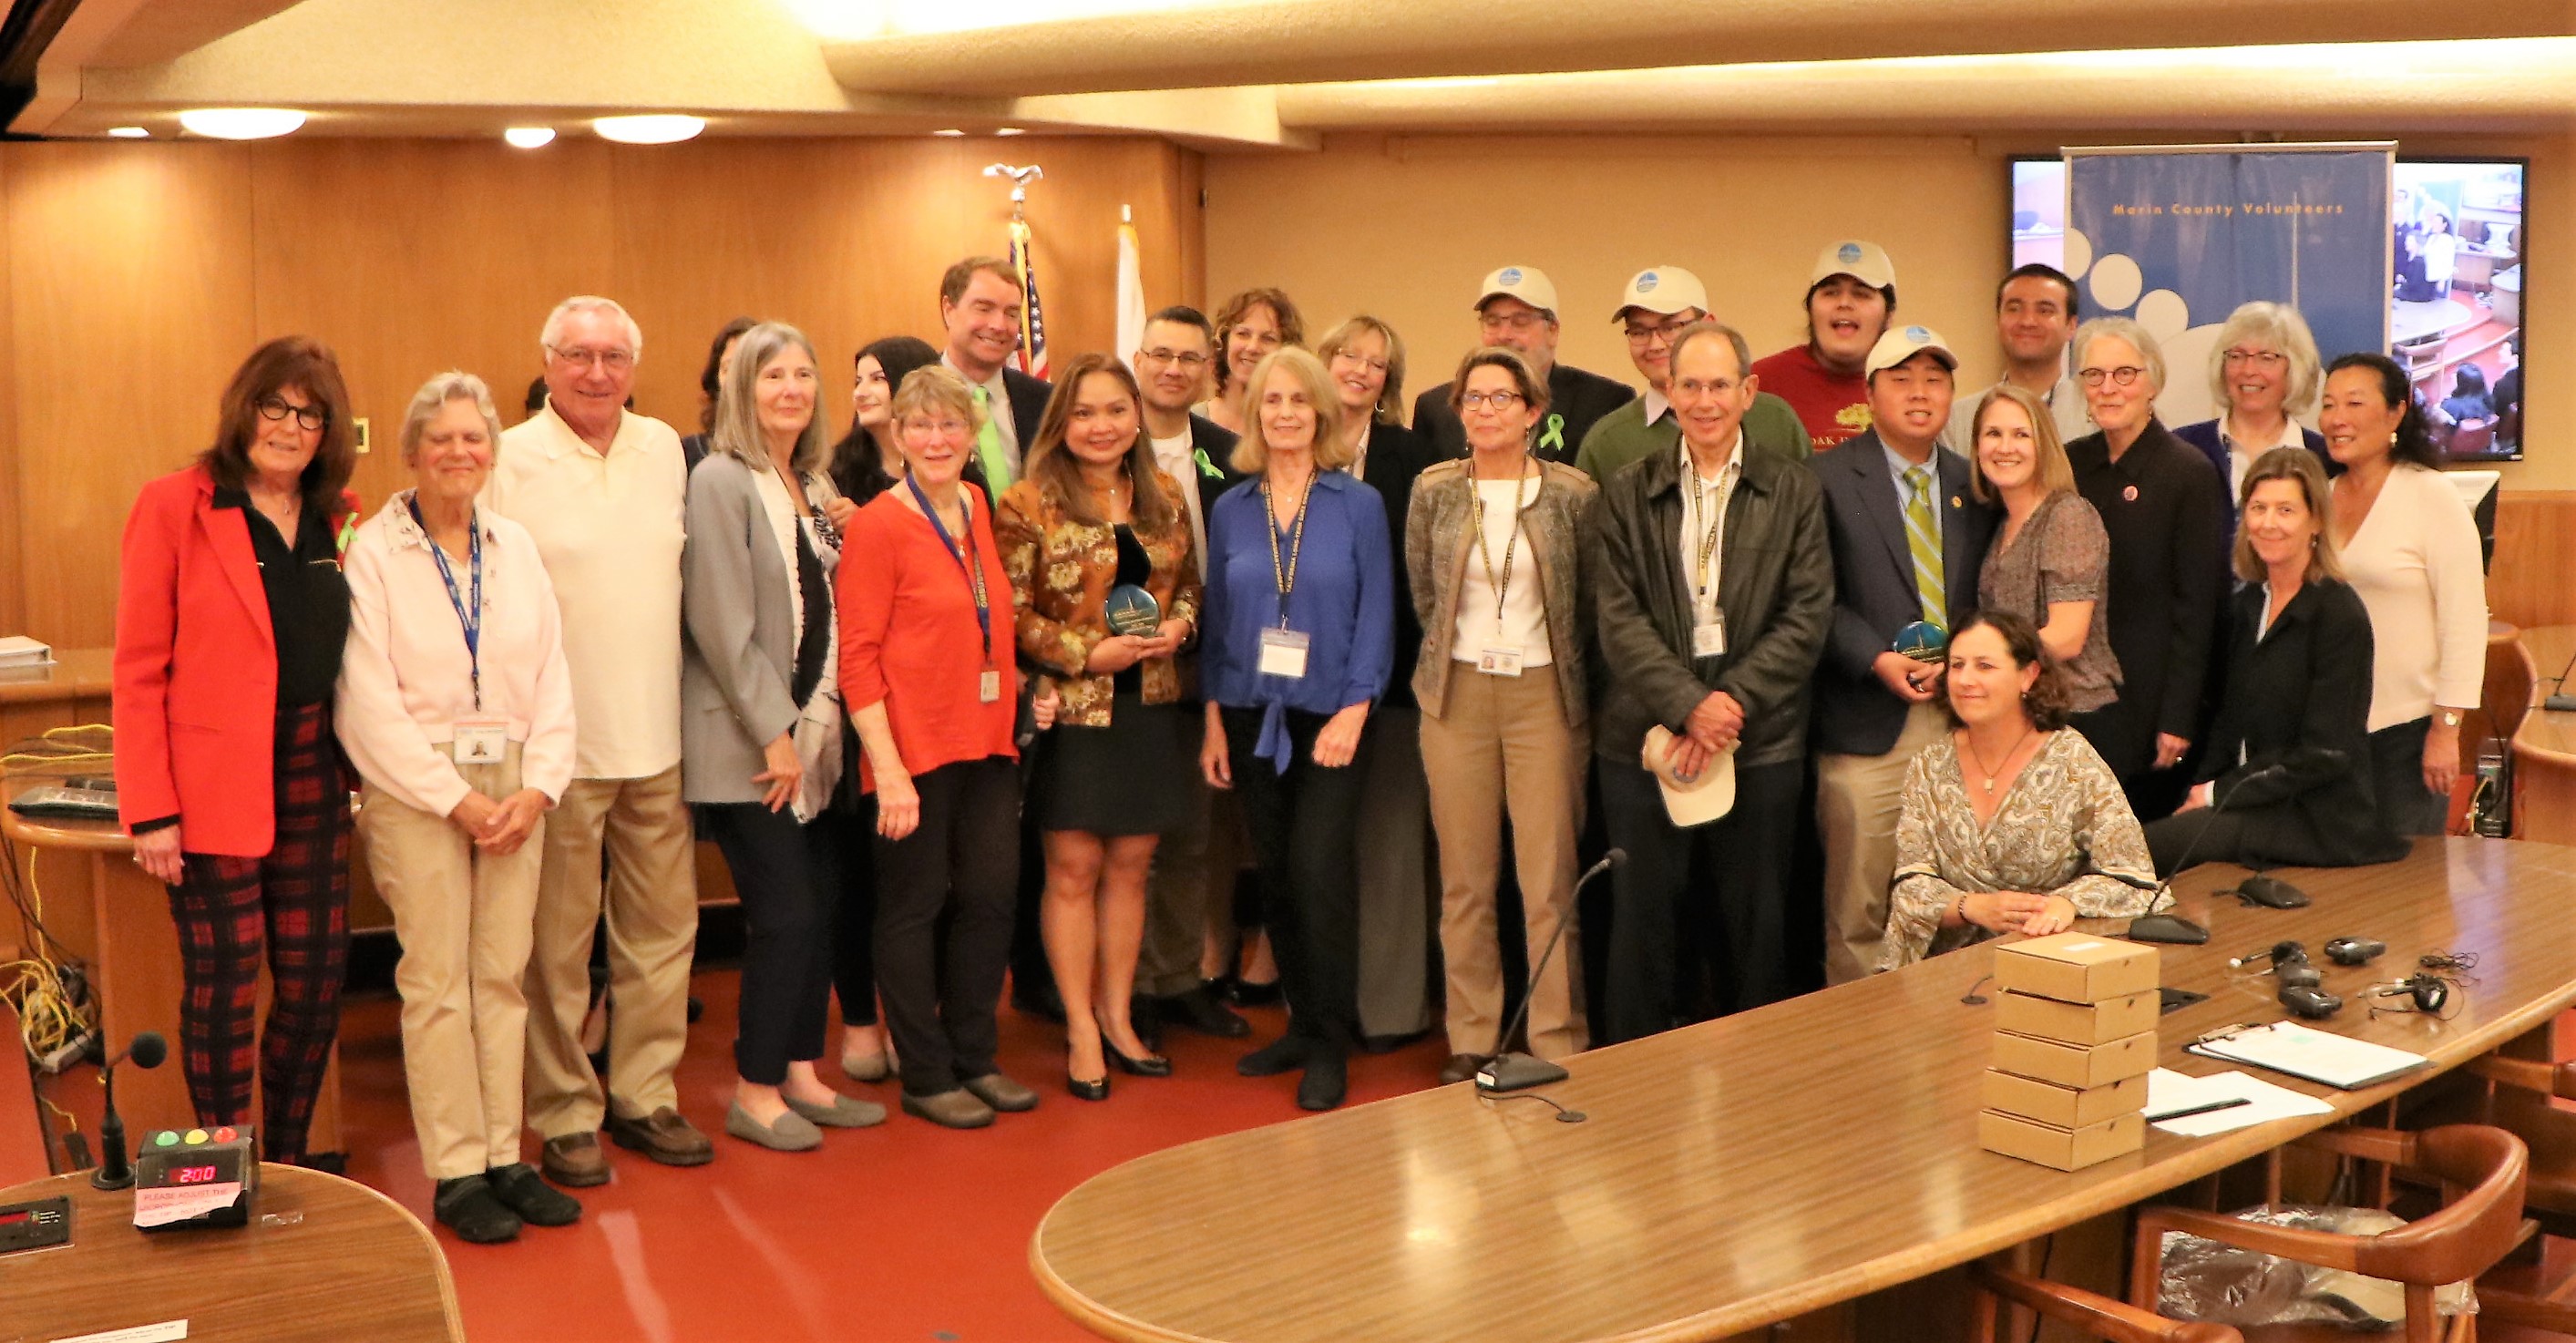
(1499, 580)
(455, 705)
(2412, 552)
(761, 721)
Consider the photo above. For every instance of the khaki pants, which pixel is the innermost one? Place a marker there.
(465, 918)
(651, 900)
(1504, 742)
(1857, 801)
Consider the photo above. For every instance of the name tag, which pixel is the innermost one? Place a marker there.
(1709, 640)
(1500, 661)
(1283, 654)
(481, 741)
(990, 687)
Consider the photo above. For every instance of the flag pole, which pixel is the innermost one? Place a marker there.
(1031, 357)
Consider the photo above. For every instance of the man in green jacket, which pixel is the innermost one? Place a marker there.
(1660, 301)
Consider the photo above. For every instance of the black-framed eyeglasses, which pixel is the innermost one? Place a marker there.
(274, 407)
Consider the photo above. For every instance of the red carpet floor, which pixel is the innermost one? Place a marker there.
(906, 1233)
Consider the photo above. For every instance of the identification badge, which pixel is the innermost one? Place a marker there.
(1283, 654)
(990, 687)
(481, 741)
(1709, 640)
(1501, 661)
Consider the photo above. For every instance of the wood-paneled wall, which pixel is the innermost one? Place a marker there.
(136, 277)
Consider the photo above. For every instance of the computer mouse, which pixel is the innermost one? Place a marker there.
(2271, 893)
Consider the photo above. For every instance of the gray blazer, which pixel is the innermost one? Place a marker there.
(738, 613)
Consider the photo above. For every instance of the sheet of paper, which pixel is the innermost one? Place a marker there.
(2317, 1056)
(168, 1331)
(2168, 1090)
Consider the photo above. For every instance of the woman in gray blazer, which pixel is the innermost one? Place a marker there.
(761, 723)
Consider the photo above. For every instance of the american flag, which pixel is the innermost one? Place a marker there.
(1033, 352)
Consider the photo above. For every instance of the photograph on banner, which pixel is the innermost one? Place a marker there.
(2452, 237)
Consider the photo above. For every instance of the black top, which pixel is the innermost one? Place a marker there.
(2295, 711)
(308, 599)
(1134, 567)
(1396, 457)
(2165, 508)
(1576, 401)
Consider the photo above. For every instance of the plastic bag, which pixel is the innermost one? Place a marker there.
(2223, 1284)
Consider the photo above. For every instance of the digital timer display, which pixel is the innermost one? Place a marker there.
(194, 1175)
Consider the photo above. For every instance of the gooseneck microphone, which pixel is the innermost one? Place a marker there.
(1515, 1071)
(114, 1171)
(2562, 702)
(2173, 929)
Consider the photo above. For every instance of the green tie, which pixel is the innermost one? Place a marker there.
(1924, 539)
(988, 446)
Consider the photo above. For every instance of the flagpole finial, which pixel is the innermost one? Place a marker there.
(1126, 214)
(1020, 177)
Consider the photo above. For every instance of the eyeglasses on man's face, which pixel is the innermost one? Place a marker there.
(613, 360)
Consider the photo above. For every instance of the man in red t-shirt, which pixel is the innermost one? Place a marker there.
(1850, 300)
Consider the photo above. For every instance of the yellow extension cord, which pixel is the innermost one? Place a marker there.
(48, 1018)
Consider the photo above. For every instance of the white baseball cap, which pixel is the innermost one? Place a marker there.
(1863, 261)
(1698, 800)
(1663, 290)
(1529, 284)
(1904, 342)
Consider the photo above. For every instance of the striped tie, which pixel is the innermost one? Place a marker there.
(1925, 541)
(988, 446)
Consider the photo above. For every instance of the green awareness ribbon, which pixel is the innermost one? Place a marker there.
(1552, 438)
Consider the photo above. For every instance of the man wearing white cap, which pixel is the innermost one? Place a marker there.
(1850, 298)
(1517, 310)
(1660, 301)
(1907, 540)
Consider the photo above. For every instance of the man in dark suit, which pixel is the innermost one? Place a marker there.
(980, 306)
(1907, 540)
(1517, 310)
(1190, 867)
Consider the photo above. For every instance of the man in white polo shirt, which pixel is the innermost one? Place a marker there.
(601, 489)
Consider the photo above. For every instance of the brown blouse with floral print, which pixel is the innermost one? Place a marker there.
(1061, 572)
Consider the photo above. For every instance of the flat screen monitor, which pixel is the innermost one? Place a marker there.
(2455, 308)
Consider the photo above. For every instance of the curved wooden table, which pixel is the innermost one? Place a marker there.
(2544, 746)
(1752, 1169)
(323, 1259)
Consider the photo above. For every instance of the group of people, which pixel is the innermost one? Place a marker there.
(1005, 684)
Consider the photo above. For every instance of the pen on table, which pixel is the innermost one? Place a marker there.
(2228, 1104)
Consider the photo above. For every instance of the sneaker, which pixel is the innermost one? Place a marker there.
(518, 1188)
(662, 1135)
(574, 1161)
(467, 1206)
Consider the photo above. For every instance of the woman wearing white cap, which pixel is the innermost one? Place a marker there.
(1850, 299)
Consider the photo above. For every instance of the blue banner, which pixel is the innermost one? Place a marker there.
(2178, 238)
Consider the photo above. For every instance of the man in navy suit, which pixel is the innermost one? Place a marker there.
(980, 305)
(1907, 540)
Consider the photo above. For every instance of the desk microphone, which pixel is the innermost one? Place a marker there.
(2562, 702)
(114, 1172)
(1519, 1072)
(2174, 929)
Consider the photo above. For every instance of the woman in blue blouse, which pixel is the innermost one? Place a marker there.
(1300, 640)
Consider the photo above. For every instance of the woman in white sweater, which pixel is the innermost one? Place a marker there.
(456, 707)
(2412, 552)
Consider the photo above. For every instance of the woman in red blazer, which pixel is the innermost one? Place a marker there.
(230, 614)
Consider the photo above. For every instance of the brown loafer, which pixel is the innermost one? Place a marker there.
(1002, 1093)
(663, 1136)
(574, 1161)
(954, 1108)
(1460, 1067)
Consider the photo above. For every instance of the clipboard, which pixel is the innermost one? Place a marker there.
(2294, 1050)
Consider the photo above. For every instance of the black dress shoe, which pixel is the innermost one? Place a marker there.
(1326, 1082)
(1245, 993)
(467, 1206)
(537, 1203)
(1095, 1090)
(1202, 1010)
(1152, 1065)
(1285, 1054)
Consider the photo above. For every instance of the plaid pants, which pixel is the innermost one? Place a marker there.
(295, 901)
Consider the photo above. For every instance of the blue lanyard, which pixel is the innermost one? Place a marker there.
(966, 559)
(468, 616)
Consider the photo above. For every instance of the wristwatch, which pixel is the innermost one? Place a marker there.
(2450, 718)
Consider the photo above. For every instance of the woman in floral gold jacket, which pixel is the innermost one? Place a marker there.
(1104, 590)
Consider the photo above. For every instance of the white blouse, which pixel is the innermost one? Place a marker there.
(1522, 622)
(2416, 563)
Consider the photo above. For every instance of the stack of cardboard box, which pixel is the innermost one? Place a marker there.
(2075, 1037)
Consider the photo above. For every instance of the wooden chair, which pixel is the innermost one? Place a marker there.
(2519, 1103)
(2097, 1316)
(2482, 1171)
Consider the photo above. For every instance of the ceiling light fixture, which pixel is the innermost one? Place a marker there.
(129, 133)
(952, 131)
(1010, 130)
(241, 123)
(656, 129)
(529, 137)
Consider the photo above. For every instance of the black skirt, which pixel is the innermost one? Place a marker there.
(1129, 778)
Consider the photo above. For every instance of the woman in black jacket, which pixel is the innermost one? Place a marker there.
(2286, 778)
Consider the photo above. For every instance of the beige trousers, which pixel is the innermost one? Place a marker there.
(1857, 801)
(465, 918)
(651, 900)
(1504, 743)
